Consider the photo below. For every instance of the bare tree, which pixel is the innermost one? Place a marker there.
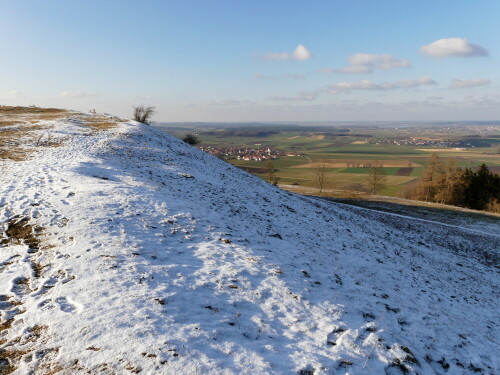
(276, 180)
(320, 175)
(270, 171)
(431, 173)
(144, 113)
(376, 177)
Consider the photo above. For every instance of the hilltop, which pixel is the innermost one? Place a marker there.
(124, 250)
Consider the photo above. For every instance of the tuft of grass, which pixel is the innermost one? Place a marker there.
(105, 125)
(19, 230)
(37, 269)
(7, 359)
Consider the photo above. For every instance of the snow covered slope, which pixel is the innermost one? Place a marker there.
(127, 251)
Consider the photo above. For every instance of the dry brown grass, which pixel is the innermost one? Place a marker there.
(12, 139)
(37, 269)
(100, 122)
(19, 230)
(10, 122)
(17, 128)
(6, 324)
(15, 115)
(101, 125)
(8, 110)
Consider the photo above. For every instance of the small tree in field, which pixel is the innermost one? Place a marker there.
(144, 114)
(376, 178)
(271, 176)
(320, 175)
(191, 139)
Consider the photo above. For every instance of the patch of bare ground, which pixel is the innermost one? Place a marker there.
(22, 348)
(8, 358)
(20, 128)
(18, 110)
(100, 122)
(19, 230)
(101, 125)
(20, 114)
(10, 122)
(10, 143)
(13, 141)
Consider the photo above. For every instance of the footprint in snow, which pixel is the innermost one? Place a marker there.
(20, 286)
(65, 305)
(46, 305)
(334, 336)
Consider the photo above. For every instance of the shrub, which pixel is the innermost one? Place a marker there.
(143, 114)
(191, 139)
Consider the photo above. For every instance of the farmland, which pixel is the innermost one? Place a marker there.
(347, 153)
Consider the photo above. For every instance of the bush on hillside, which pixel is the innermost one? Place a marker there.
(144, 114)
(191, 139)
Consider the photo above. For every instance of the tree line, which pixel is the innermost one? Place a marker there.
(445, 182)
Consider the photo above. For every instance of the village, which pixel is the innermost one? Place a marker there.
(422, 142)
(246, 153)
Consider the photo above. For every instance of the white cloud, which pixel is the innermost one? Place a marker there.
(381, 61)
(457, 47)
(300, 53)
(77, 94)
(369, 85)
(462, 83)
(366, 63)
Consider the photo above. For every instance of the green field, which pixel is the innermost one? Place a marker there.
(403, 165)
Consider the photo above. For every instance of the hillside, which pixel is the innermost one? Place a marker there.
(125, 250)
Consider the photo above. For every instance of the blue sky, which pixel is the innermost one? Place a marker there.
(255, 60)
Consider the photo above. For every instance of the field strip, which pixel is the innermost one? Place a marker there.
(411, 218)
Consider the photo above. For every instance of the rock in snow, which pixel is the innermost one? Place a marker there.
(113, 261)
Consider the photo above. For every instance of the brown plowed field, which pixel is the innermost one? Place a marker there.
(406, 171)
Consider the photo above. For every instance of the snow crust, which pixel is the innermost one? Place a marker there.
(160, 259)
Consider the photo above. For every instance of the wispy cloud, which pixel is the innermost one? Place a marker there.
(353, 69)
(366, 63)
(346, 87)
(453, 47)
(12, 95)
(262, 76)
(463, 83)
(296, 76)
(304, 96)
(78, 94)
(300, 53)
(229, 102)
(278, 56)
(381, 61)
